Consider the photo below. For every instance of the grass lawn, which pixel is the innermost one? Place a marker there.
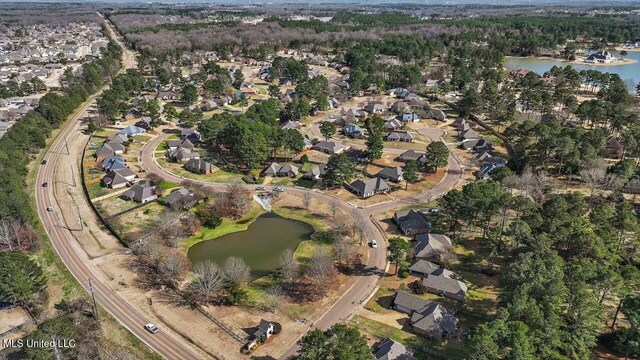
(167, 185)
(96, 190)
(226, 227)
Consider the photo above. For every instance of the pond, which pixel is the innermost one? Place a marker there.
(260, 246)
(629, 73)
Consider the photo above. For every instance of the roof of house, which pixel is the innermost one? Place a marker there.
(329, 146)
(186, 144)
(400, 135)
(288, 168)
(412, 155)
(113, 163)
(117, 138)
(390, 349)
(431, 244)
(369, 186)
(423, 267)
(352, 129)
(409, 301)
(116, 177)
(290, 125)
(412, 220)
(272, 169)
(444, 280)
(132, 130)
(392, 173)
(393, 124)
(316, 171)
(141, 191)
(434, 317)
(614, 144)
(262, 329)
(179, 196)
(110, 149)
(408, 117)
(199, 165)
(469, 134)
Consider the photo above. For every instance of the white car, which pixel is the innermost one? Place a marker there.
(374, 244)
(50, 208)
(151, 328)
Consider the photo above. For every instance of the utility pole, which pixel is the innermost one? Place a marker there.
(93, 297)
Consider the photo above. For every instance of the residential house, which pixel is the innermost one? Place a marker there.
(190, 134)
(444, 283)
(316, 172)
(614, 149)
(393, 174)
(167, 95)
(412, 155)
(431, 247)
(184, 144)
(208, 105)
(436, 115)
(113, 163)
(426, 318)
(275, 169)
(390, 349)
(264, 331)
(411, 222)
(408, 117)
(117, 139)
(400, 107)
(375, 108)
(145, 123)
(354, 113)
(422, 268)
(485, 171)
(142, 192)
(353, 130)
(200, 166)
(477, 145)
(369, 187)
(290, 125)
(460, 124)
(109, 150)
(132, 130)
(119, 178)
(329, 147)
(182, 155)
(468, 134)
(393, 124)
(181, 199)
(404, 136)
(601, 57)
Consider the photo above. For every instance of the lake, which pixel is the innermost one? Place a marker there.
(628, 72)
(260, 246)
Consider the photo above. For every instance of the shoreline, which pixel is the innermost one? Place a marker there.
(575, 62)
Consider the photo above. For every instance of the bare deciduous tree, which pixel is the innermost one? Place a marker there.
(289, 266)
(172, 268)
(321, 268)
(273, 293)
(306, 200)
(533, 184)
(360, 227)
(236, 271)
(6, 236)
(344, 252)
(208, 279)
(334, 207)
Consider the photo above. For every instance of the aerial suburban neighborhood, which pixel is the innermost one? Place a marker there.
(320, 180)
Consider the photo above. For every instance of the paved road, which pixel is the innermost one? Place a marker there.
(376, 263)
(63, 242)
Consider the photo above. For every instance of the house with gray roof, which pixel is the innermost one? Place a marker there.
(109, 150)
(426, 318)
(408, 117)
(444, 283)
(404, 136)
(477, 145)
(436, 115)
(400, 107)
(316, 172)
(190, 134)
(142, 192)
(116, 179)
(394, 174)
(411, 222)
(117, 139)
(390, 349)
(352, 130)
(393, 124)
(174, 144)
(132, 130)
(431, 246)
(275, 169)
(329, 147)
(181, 199)
(182, 155)
(369, 187)
(200, 166)
(375, 108)
(468, 134)
(422, 268)
(412, 155)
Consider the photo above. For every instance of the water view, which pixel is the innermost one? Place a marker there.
(259, 246)
(628, 72)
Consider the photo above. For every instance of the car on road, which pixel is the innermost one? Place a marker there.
(151, 328)
(45, 184)
(43, 162)
(261, 188)
(49, 208)
(374, 244)
(279, 188)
